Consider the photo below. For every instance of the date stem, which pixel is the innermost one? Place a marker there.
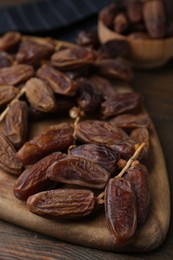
(3, 114)
(100, 197)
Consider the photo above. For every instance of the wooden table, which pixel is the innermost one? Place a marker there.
(18, 243)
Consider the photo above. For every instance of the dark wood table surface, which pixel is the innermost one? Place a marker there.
(156, 87)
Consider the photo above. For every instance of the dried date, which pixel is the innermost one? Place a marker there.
(10, 41)
(7, 93)
(16, 123)
(15, 74)
(121, 209)
(99, 154)
(88, 39)
(108, 13)
(8, 161)
(72, 58)
(138, 177)
(121, 103)
(117, 68)
(62, 203)
(58, 81)
(34, 178)
(125, 149)
(80, 172)
(5, 59)
(120, 23)
(40, 95)
(99, 132)
(56, 138)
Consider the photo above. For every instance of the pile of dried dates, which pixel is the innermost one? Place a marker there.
(96, 154)
(146, 19)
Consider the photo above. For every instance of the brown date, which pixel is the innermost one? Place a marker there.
(155, 18)
(99, 132)
(15, 74)
(80, 172)
(121, 103)
(88, 39)
(62, 203)
(55, 138)
(134, 11)
(40, 95)
(8, 161)
(34, 178)
(33, 53)
(138, 177)
(120, 23)
(125, 149)
(99, 154)
(5, 60)
(10, 41)
(58, 81)
(130, 121)
(108, 13)
(117, 68)
(121, 209)
(72, 58)
(7, 93)
(16, 123)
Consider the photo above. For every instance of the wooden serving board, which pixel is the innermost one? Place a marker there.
(93, 231)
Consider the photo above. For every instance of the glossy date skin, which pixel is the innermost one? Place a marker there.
(62, 203)
(121, 210)
(138, 177)
(56, 138)
(99, 154)
(80, 172)
(34, 178)
(98, 132)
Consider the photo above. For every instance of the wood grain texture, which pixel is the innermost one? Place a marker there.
(19, 243)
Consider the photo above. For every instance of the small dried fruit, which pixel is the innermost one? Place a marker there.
(33, 53)
(15, 74)
(130, 121)
(72, 58)
(40, 95)
(99, 154)
(55, 138)
(120, 23)
(121, 209)
(62, 203)
(9, 41)
(34, 178)
(125, 149)
(116, 68)
(7, 93)
(113, 49)
(5, 60)
(155, 19)
(16, 123)
(58, 81)
(88, 39)
(99, 132)
(8, 161)
(80, 172)
(108, 13)
(137, 175)
(121, 103)
(134, 11)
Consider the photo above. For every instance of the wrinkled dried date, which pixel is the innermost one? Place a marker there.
(9, 41)
(137, 175)
(116, 68)
(125, 149)
(80, 172)
(108, 13)
(8, 161)
(62, 203)
(121, 209)
(5, 60)
(33, 53)
(88, 39)
(99, 132)
(15, 74)
(56, 137)
(16, 123)
(40, 95)
(58, 81)
(7, 93)
(130, 121)
(34, 178)
(72, 58)
(99, 154)
(121, 103)
(120, 23)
